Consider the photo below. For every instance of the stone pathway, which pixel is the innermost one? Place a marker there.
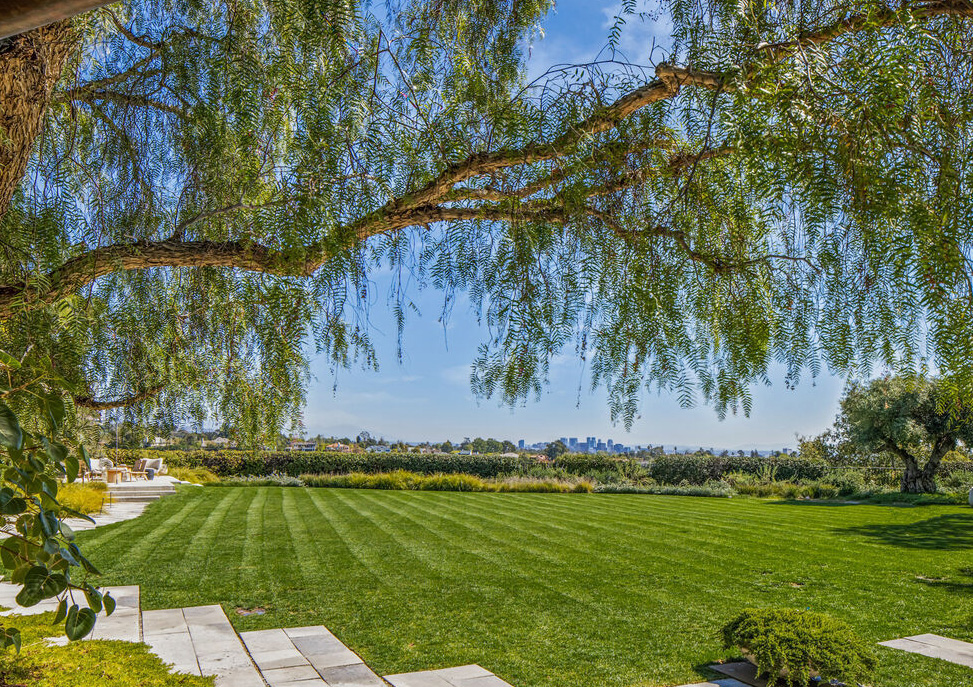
(463, 676)
(200, 640)
(307, 657)
(934, 646)
(741, 671)
(723, 682)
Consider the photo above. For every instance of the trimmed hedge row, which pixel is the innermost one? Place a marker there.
(672, 469)
(245, 463)
(693, 469)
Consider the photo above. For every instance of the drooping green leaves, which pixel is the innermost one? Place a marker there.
(11, 436)
(79, 622)
(42, 557)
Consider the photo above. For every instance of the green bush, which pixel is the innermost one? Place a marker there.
(402, 480)
(700, 469)
(294, 463)
(719, 489)
(789, 646)
(272, 480)
(194, 475)
(84, 498)
(957, 480)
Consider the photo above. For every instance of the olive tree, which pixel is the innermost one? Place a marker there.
(915, 420)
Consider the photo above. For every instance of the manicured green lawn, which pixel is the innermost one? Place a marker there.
(550, 589)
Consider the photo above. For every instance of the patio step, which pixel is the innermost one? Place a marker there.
(200, 641)
(307, 657)
(462, 676)
(934, 646)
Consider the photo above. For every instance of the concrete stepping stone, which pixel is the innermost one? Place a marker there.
(741, 671)
(200, 640)
(722, 682)
(167, 634)
(307, 657)
(934, 646)
(125, 623)
(461, 676)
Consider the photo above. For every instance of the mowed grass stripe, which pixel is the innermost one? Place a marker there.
(593, 545)
(551, 590)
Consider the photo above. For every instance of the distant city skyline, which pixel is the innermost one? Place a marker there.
(427, 397)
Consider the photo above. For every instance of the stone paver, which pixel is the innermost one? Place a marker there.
(741, 671)
(218, 648)
(307, 657)
(461, 676)
(167, 634)
(934, 646)
(727, 682)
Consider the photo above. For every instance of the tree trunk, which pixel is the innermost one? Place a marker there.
(30, 67)
(916, 481)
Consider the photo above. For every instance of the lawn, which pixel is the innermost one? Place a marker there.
(550, 589)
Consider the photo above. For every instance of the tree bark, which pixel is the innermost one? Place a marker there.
(916, 480)
(29, 70)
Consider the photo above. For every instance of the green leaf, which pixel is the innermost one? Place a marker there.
(11, 436)
(56, 451)
(41, 583)
(72, 466)
(8, 553)
(8, 361)
(109, 603)
(10, 637)
(14, 506)
(94, 598)
(66, 531)
(79, 623)
(19, 573)
(61, 613)
(52, 409)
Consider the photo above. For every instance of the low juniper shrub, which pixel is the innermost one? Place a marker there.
(791, 646)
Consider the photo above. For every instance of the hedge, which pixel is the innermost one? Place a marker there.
(245, 463)
(700, 469)
(671, 469)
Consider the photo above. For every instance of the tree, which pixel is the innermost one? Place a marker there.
(915, 420)
(555, 449)
(189, 190)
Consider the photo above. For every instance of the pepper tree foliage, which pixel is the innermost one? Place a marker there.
(217, 181)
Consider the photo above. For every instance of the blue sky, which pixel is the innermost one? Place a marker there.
(427, 396)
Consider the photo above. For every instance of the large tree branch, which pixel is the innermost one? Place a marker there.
(425, 205)
(142, 395)
(92, 96)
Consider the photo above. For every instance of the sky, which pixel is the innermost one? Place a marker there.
(427, 396)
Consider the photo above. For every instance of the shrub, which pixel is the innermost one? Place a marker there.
(700, 469)
(84, 498)
(403, 480)
(718, 489)
(194, 475)
(294, 463)
(957, 480)
(790, 645)
(847, 482)
(272, 480)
